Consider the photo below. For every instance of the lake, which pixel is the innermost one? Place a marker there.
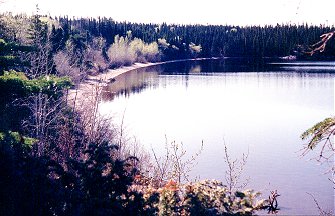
(260, 107)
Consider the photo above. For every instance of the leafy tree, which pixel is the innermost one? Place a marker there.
(16, 87)
(9, 58)
(321, 136)
(14, 28)
(96, 185)
(102, 182)
(126, 51)
(28, 185)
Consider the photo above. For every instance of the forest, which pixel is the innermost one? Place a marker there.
(56, 160)
(215, 41)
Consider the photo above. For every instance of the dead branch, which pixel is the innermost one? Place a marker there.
(321, 211)
(174, 165)
(321, 135)
(273, 203)
(235, 170)
(321, 45)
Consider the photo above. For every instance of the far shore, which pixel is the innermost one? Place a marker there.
(86, 91)
(113, 73)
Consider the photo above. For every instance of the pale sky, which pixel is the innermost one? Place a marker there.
(235, 12)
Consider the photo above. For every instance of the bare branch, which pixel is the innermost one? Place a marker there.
(174, 165)
(320, 46)
(321, 211)
(235, 170)
(273, 203)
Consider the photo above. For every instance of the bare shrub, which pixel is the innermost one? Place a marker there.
(194, 49)
(15, 28)
(174, 165)
(95, 126)
(65, 68)
(144, 52)
(93, 57)
(163, 43)
(126, 51)
(320, 46)
(100, 128)
(322, 212)
(234, 172)
(119, 54)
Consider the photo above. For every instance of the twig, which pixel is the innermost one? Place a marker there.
(273, 203)
(321, 211)
(235, 169)
(321, 45)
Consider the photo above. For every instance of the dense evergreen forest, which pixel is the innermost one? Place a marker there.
(175, 40)
(218, 41)
(56, 160)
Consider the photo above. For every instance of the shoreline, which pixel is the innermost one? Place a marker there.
(87, 90)
(113, 73)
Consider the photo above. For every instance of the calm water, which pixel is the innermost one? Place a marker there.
(262, 108)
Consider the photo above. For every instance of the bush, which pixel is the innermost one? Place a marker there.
(125, 51)
(208, 197)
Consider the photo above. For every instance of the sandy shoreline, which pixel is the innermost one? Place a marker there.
(87, 91)
(113, 73)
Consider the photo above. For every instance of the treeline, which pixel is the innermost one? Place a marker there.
(174, 41)
(76, 47)
(215, 41)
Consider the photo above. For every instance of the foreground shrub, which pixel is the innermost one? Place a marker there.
(95, 185)
(208, 197)
(102, 183)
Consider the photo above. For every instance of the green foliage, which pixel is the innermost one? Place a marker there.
(100, 182)
(103, 181)
(14, 28)
(29, 185)
(119, 54)
(15, 138)
(319, 132)
(6, 62)
(50, 85)
(96, 185)
(215, 199)
(126, 51)
(209, 197)
(8, 55)
(17, 84)
(6, 47)
(169, 200)
(321, 137)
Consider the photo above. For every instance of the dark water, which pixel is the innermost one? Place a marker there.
(256, 107)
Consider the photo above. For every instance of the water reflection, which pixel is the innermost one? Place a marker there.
(309, 67)
(130, 83)
(137, 80)
(216, 66)
(261, 107)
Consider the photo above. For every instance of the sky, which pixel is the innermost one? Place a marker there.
(233, 12)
